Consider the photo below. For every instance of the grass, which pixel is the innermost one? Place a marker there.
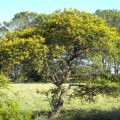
(75, 109)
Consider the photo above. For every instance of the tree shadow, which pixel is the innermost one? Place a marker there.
(94, 114)
(39, 114)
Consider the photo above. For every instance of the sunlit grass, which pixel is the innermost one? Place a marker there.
(28, 98)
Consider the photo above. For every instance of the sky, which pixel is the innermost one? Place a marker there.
(8, 8)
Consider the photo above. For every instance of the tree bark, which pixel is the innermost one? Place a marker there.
(58, 107)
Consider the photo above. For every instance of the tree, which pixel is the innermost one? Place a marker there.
(63, 45)
(21, 48)
(112, 18)
(21, 20)
(25, 19)
(73, 36)
(24, 25)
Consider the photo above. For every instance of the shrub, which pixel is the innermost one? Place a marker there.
(3, 81)
(10, 110)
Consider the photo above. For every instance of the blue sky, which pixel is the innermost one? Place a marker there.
(8, 8)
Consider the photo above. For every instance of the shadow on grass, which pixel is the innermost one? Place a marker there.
(93, 114)
(39, 114)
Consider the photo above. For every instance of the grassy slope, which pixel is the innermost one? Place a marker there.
(29, 99)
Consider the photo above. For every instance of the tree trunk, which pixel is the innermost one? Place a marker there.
(59, 104)
(104, 64)
(15, 69)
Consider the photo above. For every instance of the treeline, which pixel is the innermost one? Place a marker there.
(61, 46)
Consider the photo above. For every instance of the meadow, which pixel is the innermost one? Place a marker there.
(29, 97)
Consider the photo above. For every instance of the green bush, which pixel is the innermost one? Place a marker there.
(10, 110)
(3, 81)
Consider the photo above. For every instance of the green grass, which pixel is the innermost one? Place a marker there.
(28, 98)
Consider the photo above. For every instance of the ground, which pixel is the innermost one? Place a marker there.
(30, 98)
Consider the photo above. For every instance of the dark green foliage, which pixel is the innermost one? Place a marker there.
(112, 17)
(21, 20)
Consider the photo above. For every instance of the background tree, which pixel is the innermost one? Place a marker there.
(112, 18)
(21, 20)
(20, 49)
(25, 25)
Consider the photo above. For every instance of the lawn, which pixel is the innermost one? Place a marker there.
(29, 99)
